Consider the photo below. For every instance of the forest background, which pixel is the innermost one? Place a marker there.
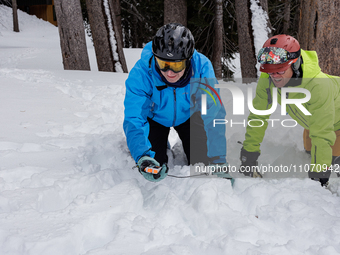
(221, 28)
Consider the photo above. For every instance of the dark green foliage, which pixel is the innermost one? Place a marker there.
(6, 2)
(276, 12)
(142, 18)
(201, 23)
(140, 21)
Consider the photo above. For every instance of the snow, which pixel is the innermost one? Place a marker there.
(260, 29)
(67, 185)
(113, 42)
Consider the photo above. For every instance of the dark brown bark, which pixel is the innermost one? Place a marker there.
(72, 35)
(117, 26)
(134, 33)
(319, 31)
(102, 21)
(264, 5)
(286, 17)
(15, 16)
(246, 39)
(218, 39)
(117, 10)
(296, 19)
(175, 11)
(99, 30)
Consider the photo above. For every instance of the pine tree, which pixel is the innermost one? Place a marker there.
(318, 30)
(246, 39)
(107, 43)
(175, 11)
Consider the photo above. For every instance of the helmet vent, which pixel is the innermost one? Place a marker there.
(273, 41)
(175, 39)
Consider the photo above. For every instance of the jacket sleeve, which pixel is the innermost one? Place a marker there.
(137, 105)
(321, 123)
(216, 137)
(257, 126)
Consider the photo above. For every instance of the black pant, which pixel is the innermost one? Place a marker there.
(191, 133)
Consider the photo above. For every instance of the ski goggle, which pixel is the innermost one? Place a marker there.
(275, 55)
(176, 67)
(280, 73)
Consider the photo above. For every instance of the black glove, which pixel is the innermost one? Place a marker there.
(322, 176)
(336, 165)
(249, 163)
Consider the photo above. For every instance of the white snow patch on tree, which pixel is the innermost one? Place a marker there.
(260, 27)
(113, 42)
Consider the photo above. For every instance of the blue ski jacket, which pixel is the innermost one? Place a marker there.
(148, 96)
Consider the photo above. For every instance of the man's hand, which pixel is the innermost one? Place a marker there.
(151, 169)
(249, 163)
(321, 177)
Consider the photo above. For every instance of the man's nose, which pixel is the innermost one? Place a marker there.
(170, 72)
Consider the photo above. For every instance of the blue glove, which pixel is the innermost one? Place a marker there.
(146, 162)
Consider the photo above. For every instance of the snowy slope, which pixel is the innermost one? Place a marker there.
(67, 185)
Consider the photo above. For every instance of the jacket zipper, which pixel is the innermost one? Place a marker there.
(175, 102)
(301, 118)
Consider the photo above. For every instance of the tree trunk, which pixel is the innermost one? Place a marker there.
(117, 26)
(286, 17)
(105, 41)
(318, 30)
(297, 18)
(15, 16)
(218, 39)
(175, 11)
(264, 5)
(117, 10)
(246, 39)
(99, 30)
(134, 33)
(72, 35)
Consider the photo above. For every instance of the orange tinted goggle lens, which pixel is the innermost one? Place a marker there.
(173, 66)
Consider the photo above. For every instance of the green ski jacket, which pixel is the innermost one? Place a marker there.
(324, 106)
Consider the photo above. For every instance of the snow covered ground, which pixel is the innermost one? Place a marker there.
(67, 185)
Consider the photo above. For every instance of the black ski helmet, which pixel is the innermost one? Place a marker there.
(173, 42)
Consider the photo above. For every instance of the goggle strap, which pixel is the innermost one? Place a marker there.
(294, 55)
(274, 51)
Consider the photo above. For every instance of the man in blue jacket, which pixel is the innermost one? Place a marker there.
(164, 90)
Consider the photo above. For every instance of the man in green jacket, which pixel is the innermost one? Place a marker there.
(285, 64)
